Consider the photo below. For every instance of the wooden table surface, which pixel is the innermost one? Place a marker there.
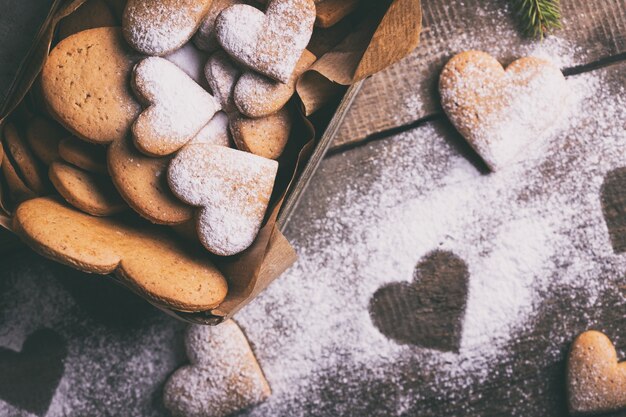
(102, 328)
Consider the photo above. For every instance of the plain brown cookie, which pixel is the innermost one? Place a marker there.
(141, 180)
(147, 259)
(596, 382)
(266, 137)
(86, 85)
(87, 156)
(18, 191)
(43, 137)
(259, 96)
(23, 160)
(92, 193)
(91, 14)
(160, 27)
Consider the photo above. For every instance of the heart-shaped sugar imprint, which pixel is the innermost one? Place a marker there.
(429, 311)
(500, 112)
(30, 377)
(232, 190)
(178, 109)
(222, 378)
(158, 27)
(272, 42)
(596, 382)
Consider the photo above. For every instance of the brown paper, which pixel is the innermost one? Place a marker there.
(373, 45)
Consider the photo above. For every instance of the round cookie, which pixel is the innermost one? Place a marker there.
(18, 191)
(43, 137)
(94, 194)
(91, 14)
(160, 27)
(24, 162)
(266, 137)
(85, 83)
(141, 182)
(87, 156)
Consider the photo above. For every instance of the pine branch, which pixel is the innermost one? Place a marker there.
(538, 17)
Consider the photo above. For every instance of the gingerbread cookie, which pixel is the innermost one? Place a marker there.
(223, 377)
(500, 112)
(178, 107)
(259, 96)
(91, 14)
(231, 189)
(142, 182)
(43, 137)
(222, 74)
(23, 161)
(183, 278)
(85, 83)
(266, 137)
(160, 27)
(215, 132)
(191, 60)
(596, 382)
(91, 193)
(18, 191)
(205, 36)
(270, 43)
(87, 156)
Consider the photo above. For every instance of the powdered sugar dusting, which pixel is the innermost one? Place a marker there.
(222, 74)
(215, 132)
(191, 60)
(205, 36)
(232, 188)
(179, 107)
(223, 377)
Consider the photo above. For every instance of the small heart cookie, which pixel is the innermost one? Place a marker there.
(222, 74)
(232, 190)
(91, 193)
(223, 377)
(157, 27)
(178, 107)
(500, 112)
(142, 182)
(596, 382)
(257, 96)
(205, 38)
(85, 84)
(215, 132)
(270, 43)
(266, 137)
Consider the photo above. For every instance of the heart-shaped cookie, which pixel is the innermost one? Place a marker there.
(232, 190)
(498, 111)
(223, 377)
(266, 136)
(596, 382)
(429, 311)
(157, 27)
(222, 74)
(178, 107)
(270, 43)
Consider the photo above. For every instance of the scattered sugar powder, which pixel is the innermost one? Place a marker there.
(533, 229)
(191, 60)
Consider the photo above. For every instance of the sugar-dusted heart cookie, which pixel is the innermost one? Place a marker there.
(266, 136)
(191, 60)
(205, 36)
(43, 137)
(222, 74)
(142, 182)
(500, 112)
(87, 156)
(183, 278)
(232, 190)
(91, 193)
(178, 107)
(596, 382)
(215, 132)
(270, 43)
(223, 377)
(257, 96)
(85, 83)
(157, 27)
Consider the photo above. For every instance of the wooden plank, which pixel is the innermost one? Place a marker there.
(407, 91)
(349, 209)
